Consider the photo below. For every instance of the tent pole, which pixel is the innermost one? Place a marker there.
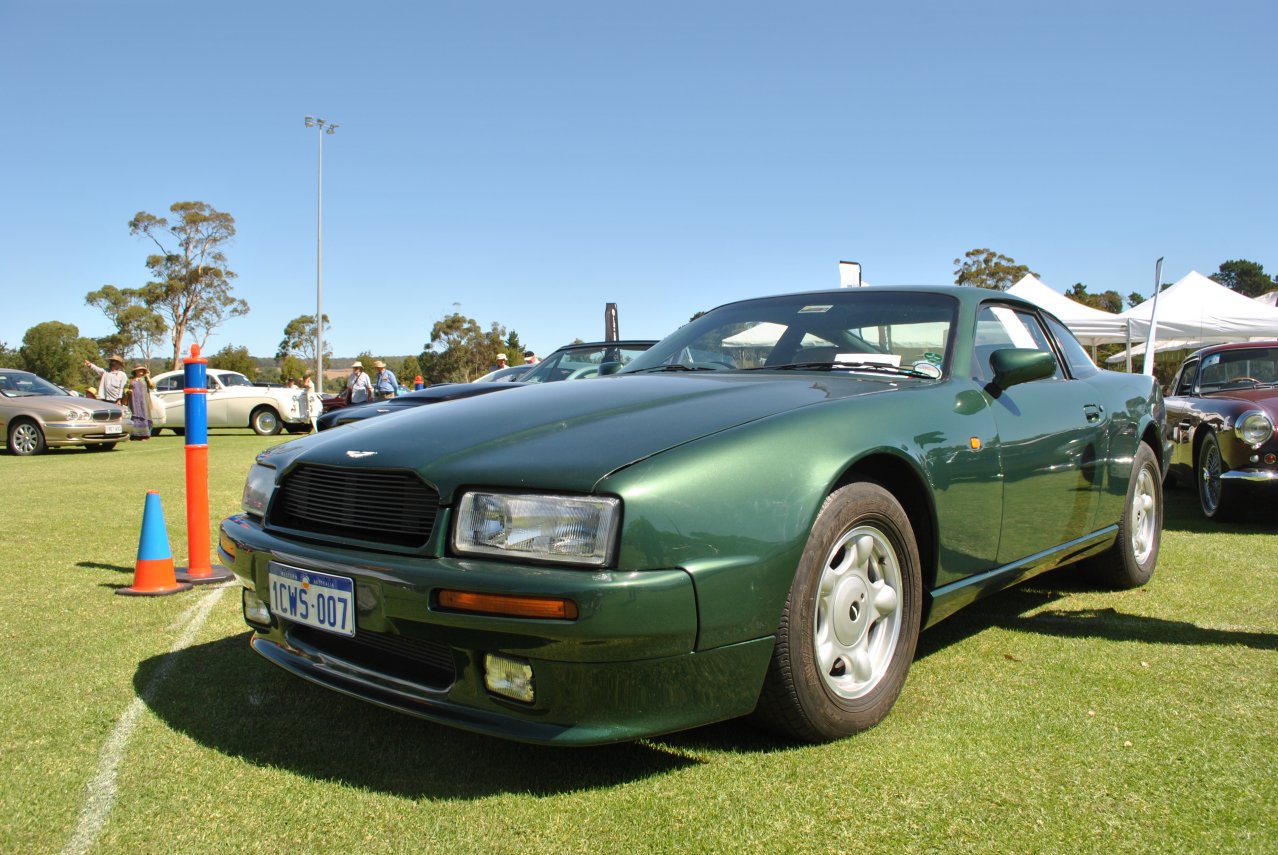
(1153, 320)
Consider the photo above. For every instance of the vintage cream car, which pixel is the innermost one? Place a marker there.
(233, 401)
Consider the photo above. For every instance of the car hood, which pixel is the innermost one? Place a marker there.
(1264, 397)
(567, 435)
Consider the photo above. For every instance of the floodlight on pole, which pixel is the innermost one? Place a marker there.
(324, 127)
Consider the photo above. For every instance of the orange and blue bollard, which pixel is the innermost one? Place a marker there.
(200, 570)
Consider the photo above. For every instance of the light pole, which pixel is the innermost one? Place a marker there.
(324, 128)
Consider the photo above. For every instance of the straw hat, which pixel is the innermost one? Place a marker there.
(379, 364)
(357, 364)
(115, 357)
(141, 368)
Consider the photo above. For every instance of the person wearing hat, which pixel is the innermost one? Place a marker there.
(138, 400)
(358, 387)
(385, 384)
(530, 358)
(111, 383)
(501, 362)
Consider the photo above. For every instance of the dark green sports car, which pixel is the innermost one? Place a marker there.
(758, 515)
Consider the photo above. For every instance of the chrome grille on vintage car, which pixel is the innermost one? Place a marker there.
(381, 507)
(423, 663)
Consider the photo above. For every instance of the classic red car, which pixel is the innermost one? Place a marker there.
(1220, 419)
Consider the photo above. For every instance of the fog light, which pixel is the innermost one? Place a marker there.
(510, 678)
(1270, 459)
(256, 612)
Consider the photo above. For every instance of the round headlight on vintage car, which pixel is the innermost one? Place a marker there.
(1254, 427)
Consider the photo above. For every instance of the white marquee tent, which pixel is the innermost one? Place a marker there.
(1198, 309)
(1090, 326)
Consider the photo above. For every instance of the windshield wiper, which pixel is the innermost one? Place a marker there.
(674, 366)
(838, 364)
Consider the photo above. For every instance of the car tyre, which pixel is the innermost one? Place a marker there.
(265, 421)
(1215, 497)
(1130, 562)
(25, 438)
(851, 622)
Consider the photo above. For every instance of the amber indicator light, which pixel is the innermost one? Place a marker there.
(974, 442)
(506, 605)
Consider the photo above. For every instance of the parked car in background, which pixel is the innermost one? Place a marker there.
(234, 401)
(35, 415)
(509, 374)
(584, 360)
(1220, 419)
(430, 395)
(757, 514)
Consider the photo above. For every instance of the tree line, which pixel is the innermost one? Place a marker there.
(189, 294)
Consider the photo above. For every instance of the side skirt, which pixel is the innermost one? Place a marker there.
(948, 599)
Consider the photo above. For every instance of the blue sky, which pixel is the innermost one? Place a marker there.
(534, 161)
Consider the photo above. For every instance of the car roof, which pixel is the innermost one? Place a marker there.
(1232, 345)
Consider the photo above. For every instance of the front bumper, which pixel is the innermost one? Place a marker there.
(623, 669)
(57, 434)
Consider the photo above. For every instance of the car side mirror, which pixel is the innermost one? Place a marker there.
(606, 368)
(1014, 365)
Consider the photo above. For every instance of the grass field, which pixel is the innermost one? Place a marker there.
(1051, 718)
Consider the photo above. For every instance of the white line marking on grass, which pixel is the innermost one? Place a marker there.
(102, 787)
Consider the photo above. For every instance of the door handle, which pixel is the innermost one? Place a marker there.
(1093, 412)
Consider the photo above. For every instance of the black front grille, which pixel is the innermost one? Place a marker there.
(106, 415)
(422, 663)
(394, 508)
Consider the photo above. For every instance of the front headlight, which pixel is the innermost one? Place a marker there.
(257, 489)
(1254, 427)
(563, 529)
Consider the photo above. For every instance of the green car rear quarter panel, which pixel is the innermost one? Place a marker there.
(721, 476)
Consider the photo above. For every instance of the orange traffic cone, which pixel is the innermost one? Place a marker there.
(153, 575)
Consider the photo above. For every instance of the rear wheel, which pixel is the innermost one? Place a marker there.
(851, 622)
(265, 421)
(1130, 562)
(1214, 496)
(25, 438)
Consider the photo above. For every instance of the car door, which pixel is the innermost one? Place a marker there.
(1182, 416)
(220, 403)
(1051, 434)
(171, 390)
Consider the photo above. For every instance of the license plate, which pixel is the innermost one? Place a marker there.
(110, 429)
(315, 599)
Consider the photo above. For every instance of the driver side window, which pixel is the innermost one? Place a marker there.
(1187, 375)
(999, 327)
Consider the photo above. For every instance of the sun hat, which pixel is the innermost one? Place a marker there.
(501, 356)
(379, 364)
(115, 357)
(357, 364)
(141, 368)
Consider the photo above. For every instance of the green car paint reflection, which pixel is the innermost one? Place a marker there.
(800, 491)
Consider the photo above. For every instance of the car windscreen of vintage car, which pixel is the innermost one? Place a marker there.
(859, 330)
(20, 384)
(230, 378)
(1230, 369)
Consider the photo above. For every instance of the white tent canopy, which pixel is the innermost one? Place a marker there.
(1199, 309)
(1090, 326)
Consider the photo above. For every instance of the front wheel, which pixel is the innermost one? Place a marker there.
(265, 421)
(25, 438)
(851, 622)
(1130, 562)
(1214, 497)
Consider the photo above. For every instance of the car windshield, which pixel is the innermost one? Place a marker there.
(858, 330)
(576, 363)
(22, 384)
(230, 378)
(1245, 366)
